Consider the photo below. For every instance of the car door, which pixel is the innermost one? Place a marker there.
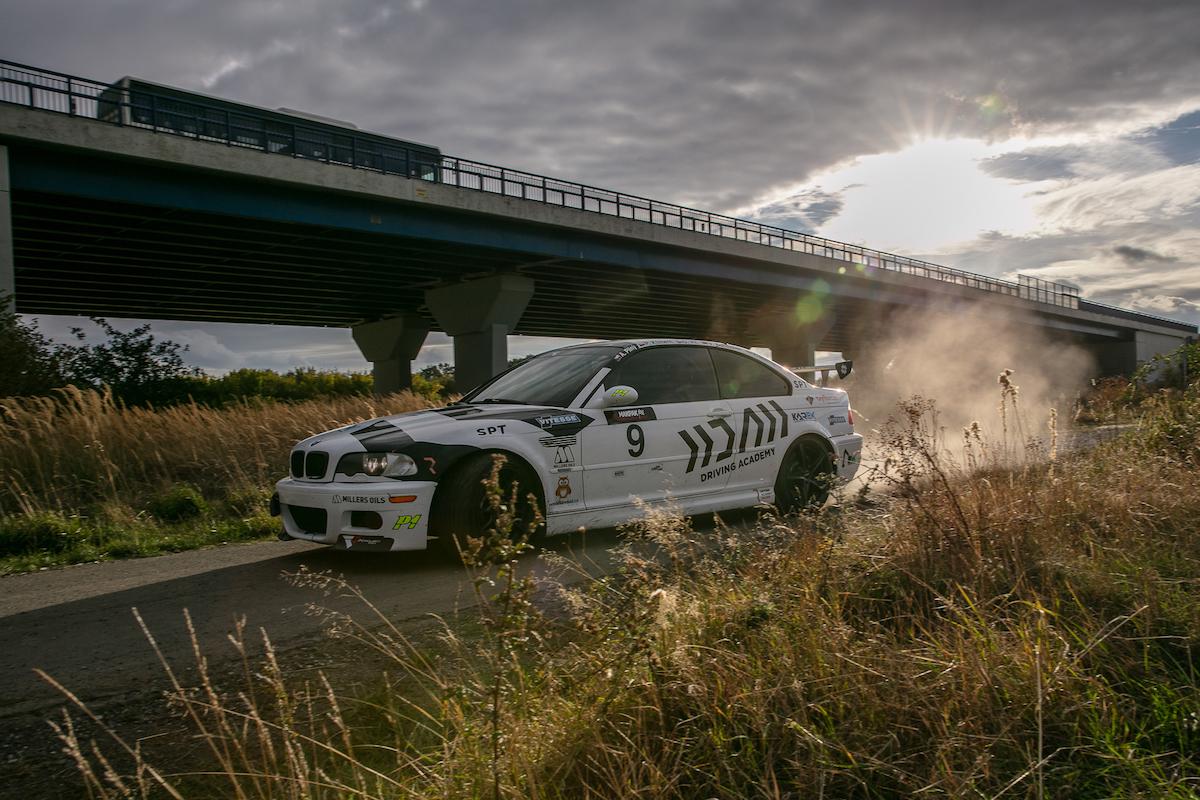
(654, 449)
(760, 399)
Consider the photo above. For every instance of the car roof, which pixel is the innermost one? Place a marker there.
(640, 343)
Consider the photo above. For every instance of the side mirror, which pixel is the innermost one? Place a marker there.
(619, 396)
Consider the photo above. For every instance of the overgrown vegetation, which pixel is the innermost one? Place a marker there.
(84, 477)
(138, 369)
(1118, 399)
(998, 626)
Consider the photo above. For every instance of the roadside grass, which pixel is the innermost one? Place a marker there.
(83, 478)
(998, 626)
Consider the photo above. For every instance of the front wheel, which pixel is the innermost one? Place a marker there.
(804, 478)
(463, 509)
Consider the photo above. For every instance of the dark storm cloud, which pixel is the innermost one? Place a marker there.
(805, 211)
(707, 103)
(1138, 255)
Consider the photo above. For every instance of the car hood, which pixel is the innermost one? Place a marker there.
(396, 432)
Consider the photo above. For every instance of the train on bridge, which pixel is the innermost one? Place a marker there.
(139, 103)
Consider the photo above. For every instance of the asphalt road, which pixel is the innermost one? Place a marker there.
(76, 623)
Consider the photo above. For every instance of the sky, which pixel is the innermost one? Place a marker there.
(1060, 140)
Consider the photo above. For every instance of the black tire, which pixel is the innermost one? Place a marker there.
(462, 509)
(804, 477)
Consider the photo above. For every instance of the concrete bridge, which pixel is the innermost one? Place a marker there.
(160, 219)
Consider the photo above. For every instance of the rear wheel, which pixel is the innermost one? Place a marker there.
(804, 478)
(464, 509)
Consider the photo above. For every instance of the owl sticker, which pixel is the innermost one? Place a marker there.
(564, 489)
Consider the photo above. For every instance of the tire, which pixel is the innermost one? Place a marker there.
(462, 509)
(804, 477)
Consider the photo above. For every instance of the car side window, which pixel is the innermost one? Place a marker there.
(667, 375)
(740, 376)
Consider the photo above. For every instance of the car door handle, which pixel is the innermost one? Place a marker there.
(720, 412)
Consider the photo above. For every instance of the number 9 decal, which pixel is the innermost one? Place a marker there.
(637, 440)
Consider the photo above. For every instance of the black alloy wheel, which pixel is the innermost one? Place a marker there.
(463, 509)
(804, 478)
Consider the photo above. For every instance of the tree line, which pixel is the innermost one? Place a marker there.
(141, 369)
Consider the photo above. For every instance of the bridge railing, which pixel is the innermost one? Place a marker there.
(210, 120)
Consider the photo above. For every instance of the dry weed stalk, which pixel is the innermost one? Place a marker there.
(986, 632)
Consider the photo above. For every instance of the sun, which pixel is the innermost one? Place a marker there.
(929, 196)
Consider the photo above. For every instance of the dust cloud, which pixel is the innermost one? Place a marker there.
(955, 358)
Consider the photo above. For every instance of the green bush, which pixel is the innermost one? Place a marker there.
(178, 503)
(45, 532)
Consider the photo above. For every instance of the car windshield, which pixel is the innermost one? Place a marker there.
(551, 379)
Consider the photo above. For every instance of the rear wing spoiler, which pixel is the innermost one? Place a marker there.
(842, 368)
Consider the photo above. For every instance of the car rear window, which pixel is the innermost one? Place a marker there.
(741, 376)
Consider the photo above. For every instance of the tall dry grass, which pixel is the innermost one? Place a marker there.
(79, 450)
(1000, 627)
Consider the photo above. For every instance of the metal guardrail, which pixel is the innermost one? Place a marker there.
(211, 121)
(1136, 316)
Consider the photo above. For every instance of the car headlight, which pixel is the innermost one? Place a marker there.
(386, 465)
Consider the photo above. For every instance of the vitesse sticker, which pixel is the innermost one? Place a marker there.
(555, 420)
(619, 415)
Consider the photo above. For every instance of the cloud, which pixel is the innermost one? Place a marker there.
(806, 211)
(719, 105)
(709, 104)
(1136, 255)
(1034, 164)
(1165, 304)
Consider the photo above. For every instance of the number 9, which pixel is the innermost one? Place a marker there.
(637, 440)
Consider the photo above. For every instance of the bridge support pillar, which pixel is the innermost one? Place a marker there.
(1122, 357)
(480, 314)
(793, 342)
(391, 345)
(8, 282)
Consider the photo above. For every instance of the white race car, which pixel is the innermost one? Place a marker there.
(599, 432)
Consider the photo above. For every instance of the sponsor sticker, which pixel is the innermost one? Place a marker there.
(767, 420)
(619, 415)
(733, 466)
(837, 419)
(563, 492)
(557, 419)
(564, 450)
(802, 416)
(490, 430)
(365, 499)
(409, 521)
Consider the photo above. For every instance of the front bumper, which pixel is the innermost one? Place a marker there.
(848, 455)
(357, 516)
